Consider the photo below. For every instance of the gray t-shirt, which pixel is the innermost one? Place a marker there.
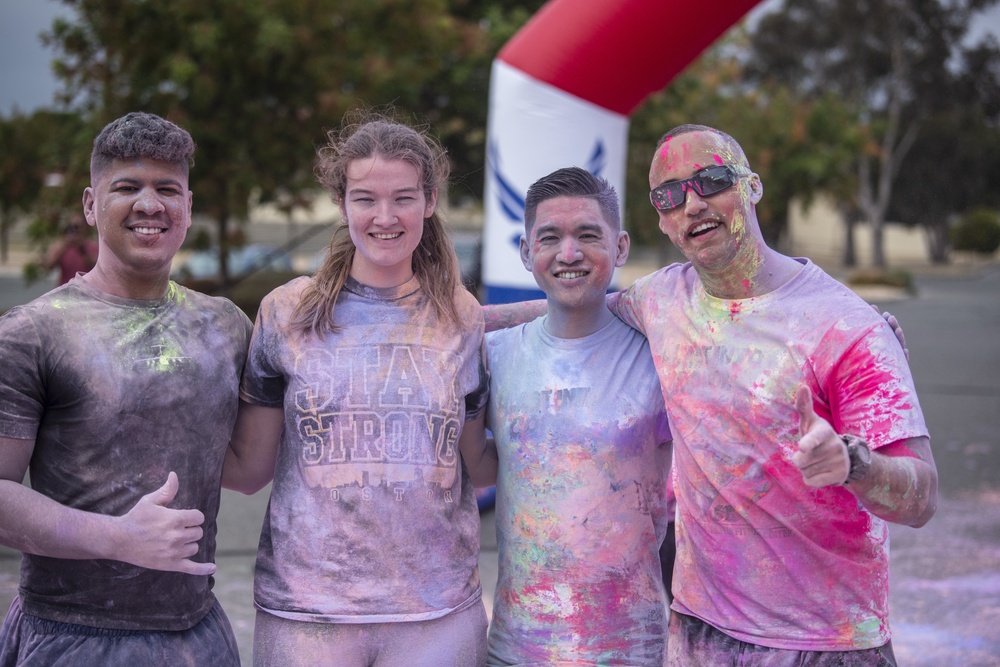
(581, 434)
(372, 516)
(117, 393)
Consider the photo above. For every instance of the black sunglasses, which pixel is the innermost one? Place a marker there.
(707, 182)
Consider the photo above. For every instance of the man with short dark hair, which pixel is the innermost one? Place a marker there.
(582, 444)
(119, 392)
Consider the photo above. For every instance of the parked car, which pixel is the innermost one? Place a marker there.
(204, 264)
(469, 248)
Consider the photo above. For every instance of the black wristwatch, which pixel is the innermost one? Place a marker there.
(860, 457)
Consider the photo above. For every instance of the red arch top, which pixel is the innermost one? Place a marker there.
(615, 53)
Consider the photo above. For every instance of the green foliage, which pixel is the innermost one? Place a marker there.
(978, 231)
(198, 239)
(21, 175)
(799, 146)
(953, 167)
(257, 82)
(38, 177)
(456, 101)
(892, 64)
(882, 277)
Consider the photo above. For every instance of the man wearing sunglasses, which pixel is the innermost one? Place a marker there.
(797, 430)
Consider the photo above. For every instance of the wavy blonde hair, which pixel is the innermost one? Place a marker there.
(364, 135)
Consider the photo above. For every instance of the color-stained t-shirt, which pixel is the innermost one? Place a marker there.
(760, 555)
(117, 393)
(372, 517)
(583, 443)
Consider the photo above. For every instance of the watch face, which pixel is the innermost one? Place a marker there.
(860, 456)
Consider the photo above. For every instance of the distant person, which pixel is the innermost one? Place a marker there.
(581, 453)
(119, 393)
(359, 383)
(74, 252)
(797, 430)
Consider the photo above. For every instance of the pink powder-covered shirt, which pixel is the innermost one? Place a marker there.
(582, 438)
(760, 555)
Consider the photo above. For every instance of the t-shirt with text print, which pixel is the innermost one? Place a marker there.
(372, 517)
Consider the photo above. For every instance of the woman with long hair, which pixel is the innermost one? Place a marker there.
(357, 387)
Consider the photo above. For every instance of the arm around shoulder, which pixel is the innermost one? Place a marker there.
(253, 448)
(150, 535)
(506, 315)
(479, 453)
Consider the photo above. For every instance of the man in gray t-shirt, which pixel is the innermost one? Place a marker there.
(120, 391)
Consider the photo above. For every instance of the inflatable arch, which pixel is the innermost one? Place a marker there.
(561, 92)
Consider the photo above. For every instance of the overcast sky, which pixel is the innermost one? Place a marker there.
(27, 82)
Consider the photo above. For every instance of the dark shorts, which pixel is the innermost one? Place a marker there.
(29, 641)
(694, 643)
(455, 640)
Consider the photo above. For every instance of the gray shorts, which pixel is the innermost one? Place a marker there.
(29, 641)
(455, 640)
(694, 643)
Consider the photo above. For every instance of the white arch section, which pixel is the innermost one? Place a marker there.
(561, 92)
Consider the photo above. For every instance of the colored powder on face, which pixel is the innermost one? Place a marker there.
(665, 149)
(749, 258)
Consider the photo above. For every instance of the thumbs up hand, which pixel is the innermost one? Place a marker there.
(822, 455)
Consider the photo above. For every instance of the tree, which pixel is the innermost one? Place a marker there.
(456, 101)
(257, 82)
(36, 158)
(21, 176)
(890, 61)
(952, 169)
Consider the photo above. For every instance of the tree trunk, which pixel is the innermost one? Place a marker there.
(897, 140)
(937, 243)
(878, 242)
(850, 252)
(223, 221)
(4, 237)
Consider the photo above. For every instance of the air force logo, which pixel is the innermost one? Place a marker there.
(511, 200)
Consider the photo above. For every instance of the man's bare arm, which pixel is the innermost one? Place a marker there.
(479, 453)
(253, 448)
(902, 481)
(507, 315)
(149, 535)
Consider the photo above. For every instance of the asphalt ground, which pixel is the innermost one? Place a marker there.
(945, 577)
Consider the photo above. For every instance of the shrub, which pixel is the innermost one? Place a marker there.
(977, 231)
(885, 277)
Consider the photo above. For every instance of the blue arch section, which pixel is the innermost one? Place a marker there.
(500, 294)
